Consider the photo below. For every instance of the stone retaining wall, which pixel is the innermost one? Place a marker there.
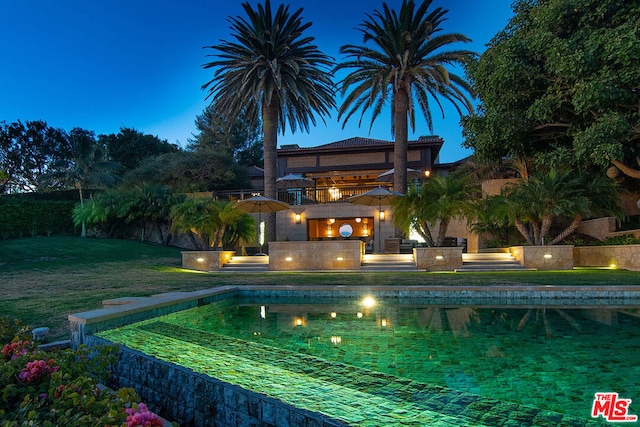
(556, 257)
(441, 258)
(193, 399)
(623, 256)
(318, 255)
(206, 260)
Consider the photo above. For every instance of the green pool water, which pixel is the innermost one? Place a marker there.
(407, 363)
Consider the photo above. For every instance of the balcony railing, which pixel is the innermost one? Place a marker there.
(298, 196)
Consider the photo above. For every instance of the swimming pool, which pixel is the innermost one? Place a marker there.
(407, 361)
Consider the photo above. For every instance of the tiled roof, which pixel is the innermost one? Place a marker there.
(354, 142)
(358, 142)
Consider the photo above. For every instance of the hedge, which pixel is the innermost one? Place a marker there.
(30, 216)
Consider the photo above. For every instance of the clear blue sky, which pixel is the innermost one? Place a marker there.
(102, 65)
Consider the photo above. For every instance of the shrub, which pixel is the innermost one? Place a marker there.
(22, 218)
(13, 329)
(62, 388)
(626, 239)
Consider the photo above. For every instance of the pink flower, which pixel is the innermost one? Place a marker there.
(142, 417)
(36, 370)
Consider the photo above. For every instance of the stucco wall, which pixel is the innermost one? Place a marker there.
(319, 255)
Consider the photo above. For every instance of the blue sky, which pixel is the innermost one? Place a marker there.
(102, 65)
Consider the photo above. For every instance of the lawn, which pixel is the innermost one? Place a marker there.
(43, 279)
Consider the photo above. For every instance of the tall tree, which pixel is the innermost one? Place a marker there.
(27, 150)
(560, 83)
(241, 139)
(407, 65)
(190, 171)
(272, 71)
(88, 168)
(130, 147)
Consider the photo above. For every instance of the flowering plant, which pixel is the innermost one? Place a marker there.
(62, 388)
(140, 416)
(16, 349)
(37, 370)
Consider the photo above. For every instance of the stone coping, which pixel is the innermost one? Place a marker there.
(121, 307)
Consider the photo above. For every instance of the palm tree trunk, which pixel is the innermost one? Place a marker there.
(270, 131)
(568, 231)
(442, 231)
(219, 235)
(401, 130)
(83, 233)
(536, 233)
(546, 226)
(425, 231)
(523, 230)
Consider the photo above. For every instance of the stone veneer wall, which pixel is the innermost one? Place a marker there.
(623, 256)
(206, 260)
(438, 258)
(556, 257)
(193, 399)
(318, 255)
(599, 228)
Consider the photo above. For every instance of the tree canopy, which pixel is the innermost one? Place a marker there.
(26, 152)
(130, 147)
(560, 84)
(190, 171)
(240, 138)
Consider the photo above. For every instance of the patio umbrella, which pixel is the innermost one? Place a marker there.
(388, 175)
(293, 181)
(378, 196)
(261, 204)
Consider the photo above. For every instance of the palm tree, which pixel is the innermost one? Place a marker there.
(272, 71)
(242, 229)
(89, 166)
(148, 204)
(434, 204)
(206, 220)
(408, 64)
(536, 204)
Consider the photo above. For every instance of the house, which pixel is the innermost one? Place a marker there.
(337, 171)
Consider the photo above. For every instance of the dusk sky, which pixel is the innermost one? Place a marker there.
(102, 65)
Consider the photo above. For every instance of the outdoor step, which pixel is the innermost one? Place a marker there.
(244, 268)
(388, 258)
(247, 264)
(487, 256)
(388, 262)
(491, 262)
(249, 260)
(494, 265)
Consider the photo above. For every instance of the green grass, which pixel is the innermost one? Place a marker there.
(43, 279)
